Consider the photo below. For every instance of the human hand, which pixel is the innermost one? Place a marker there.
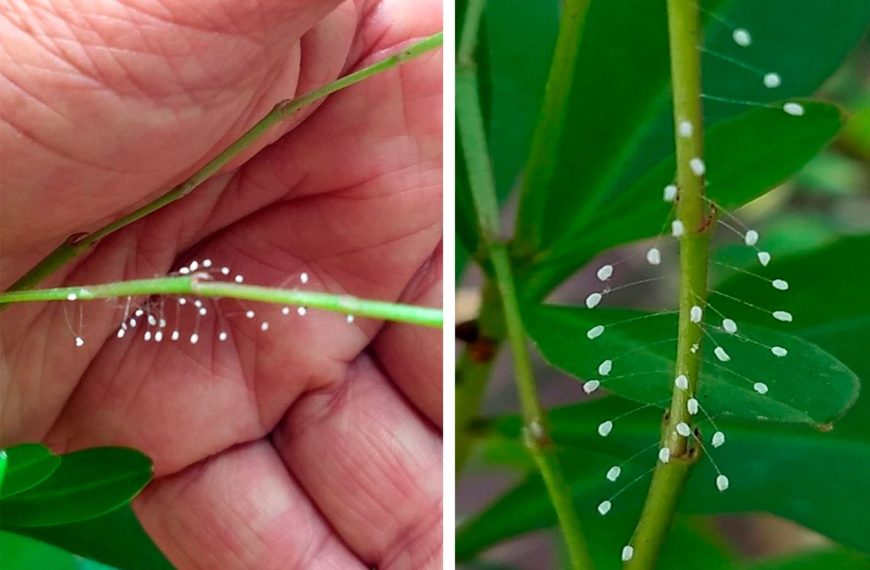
(316, 444)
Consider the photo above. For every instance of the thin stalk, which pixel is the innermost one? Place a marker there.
(200, 285)
(472, 376)
(481, 180)
(482, 184)
(669, 478)
(81, 243)
(473, 371)
(544, 154)
(536, 427)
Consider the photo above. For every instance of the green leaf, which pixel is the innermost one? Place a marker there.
(116, 539)
(21, 553)
(619, 124)
(520, 37)
(467, 234)
(85, 564)
(690, 544)
(87, 484)
(745, 157)
(460, 261)
(28, 465)
(778, 44)
(694, 543)
(821, 294)
(466, 216)
(513, 59)
(618, 87)
(806, 386)
(787, 470)
(808, 476)
(4, 460)
(831, 308)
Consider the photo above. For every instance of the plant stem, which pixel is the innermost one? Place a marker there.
(472, 376)
(658, 512)
(536, 428)
(200, 285)
(482, 185)
(544, 152)
(481, 180)
(474, 368)
(80, 243)
(670, 478)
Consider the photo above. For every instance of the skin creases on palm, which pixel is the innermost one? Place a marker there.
(316, 443)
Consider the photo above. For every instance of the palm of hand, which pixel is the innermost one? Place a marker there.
(315, 444)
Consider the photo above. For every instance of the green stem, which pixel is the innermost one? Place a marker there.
(472, 376)
(482, 185)
(536, 428)
(481, 180)
(473, 371)
(78, 244)
(669, 478)
(658, 512)
(544, 152)
(200, 285)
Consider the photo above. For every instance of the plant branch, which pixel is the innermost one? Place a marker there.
(81, 243)
(482, 184)
(544, 152)
(474, 368)
(200, 285)
(536, 427)
(481, 180)
(669, 478)
(472, 376)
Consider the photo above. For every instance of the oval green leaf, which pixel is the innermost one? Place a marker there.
(516, 47)
(87, 484)
(115, 538)
(806, 386)
(745, 157)
(808, 476)
(28, 465)
(843, 298)
(520, 36)
(619, 124)
(21, 553)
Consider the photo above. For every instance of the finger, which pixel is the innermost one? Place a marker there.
(371, 466)
(401, 125)
(220, 391)
(254, 375)
(239, 510)
(411, 355)
(106, 106)
(380, 137)
(389, 22)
